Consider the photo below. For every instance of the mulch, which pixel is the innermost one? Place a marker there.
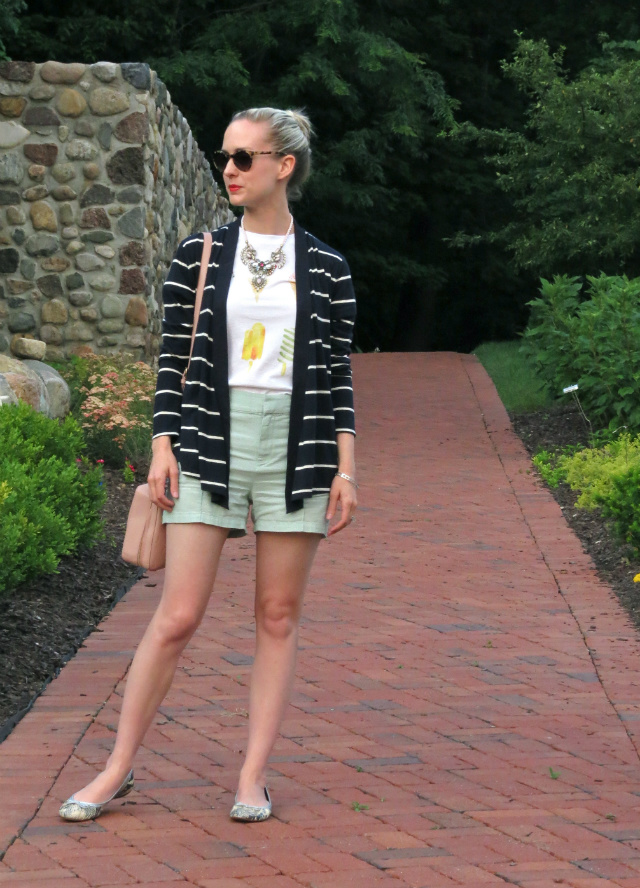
(44, 622)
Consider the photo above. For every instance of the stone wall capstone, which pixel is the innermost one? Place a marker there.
(100, 178)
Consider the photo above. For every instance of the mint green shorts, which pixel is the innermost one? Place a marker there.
(257, 473)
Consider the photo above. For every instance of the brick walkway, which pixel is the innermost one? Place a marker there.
(467, 707)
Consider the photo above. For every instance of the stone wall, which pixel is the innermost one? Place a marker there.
(100, 178)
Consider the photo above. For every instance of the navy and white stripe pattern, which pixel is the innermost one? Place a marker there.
(322, 396)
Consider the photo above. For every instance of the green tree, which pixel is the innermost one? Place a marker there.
(480, 293)
(9, 23)
(573, 174)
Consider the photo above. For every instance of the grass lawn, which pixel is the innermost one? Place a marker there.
(520, 389)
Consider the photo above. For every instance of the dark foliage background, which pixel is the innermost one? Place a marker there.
(381, 80)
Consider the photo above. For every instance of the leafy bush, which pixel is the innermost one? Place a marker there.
(594, 472)
(591, 471)
(76, 373)
(50, 499)
(548, 465)
(112, 398)
(592, 340)
(621, 504)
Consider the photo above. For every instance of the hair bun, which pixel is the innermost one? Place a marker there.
(303, 122)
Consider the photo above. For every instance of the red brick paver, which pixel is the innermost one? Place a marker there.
(466, 712)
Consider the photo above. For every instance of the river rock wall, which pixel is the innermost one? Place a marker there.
(100, 178)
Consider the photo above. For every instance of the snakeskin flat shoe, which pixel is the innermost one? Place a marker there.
(251, 813)
(78, 811)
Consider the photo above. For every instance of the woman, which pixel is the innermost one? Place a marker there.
(265, 422)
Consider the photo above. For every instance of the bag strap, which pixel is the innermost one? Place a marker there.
(204, 265)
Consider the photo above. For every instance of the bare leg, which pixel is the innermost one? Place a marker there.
(193, 553)
(283, 564)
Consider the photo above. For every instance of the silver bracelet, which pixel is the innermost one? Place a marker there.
(347, 478)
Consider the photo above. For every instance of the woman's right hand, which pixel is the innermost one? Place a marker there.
(164, 466)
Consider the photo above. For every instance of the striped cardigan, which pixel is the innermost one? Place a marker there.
(198, 420)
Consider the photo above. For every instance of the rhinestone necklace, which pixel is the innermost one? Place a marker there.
(261, 269)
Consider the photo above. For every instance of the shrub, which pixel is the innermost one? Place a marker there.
(28, 436)
(75, 372)
(590, 470)
(50, 500)
(113, 402)
(594, 472)
(622, 506)
(548, 465)
(592, 340)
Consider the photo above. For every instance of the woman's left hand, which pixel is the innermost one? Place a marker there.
(342, 498)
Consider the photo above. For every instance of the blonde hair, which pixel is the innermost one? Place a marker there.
(290, 134)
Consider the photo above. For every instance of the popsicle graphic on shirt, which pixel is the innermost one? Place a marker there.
(286, 349)
(253, 343)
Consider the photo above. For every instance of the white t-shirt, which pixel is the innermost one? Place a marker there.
(261, 326)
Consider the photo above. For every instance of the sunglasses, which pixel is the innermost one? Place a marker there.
(242, 159)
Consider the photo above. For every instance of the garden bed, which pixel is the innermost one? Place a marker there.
(617, 564)
(45, 621)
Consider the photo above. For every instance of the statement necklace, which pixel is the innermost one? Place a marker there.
(260, 269)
